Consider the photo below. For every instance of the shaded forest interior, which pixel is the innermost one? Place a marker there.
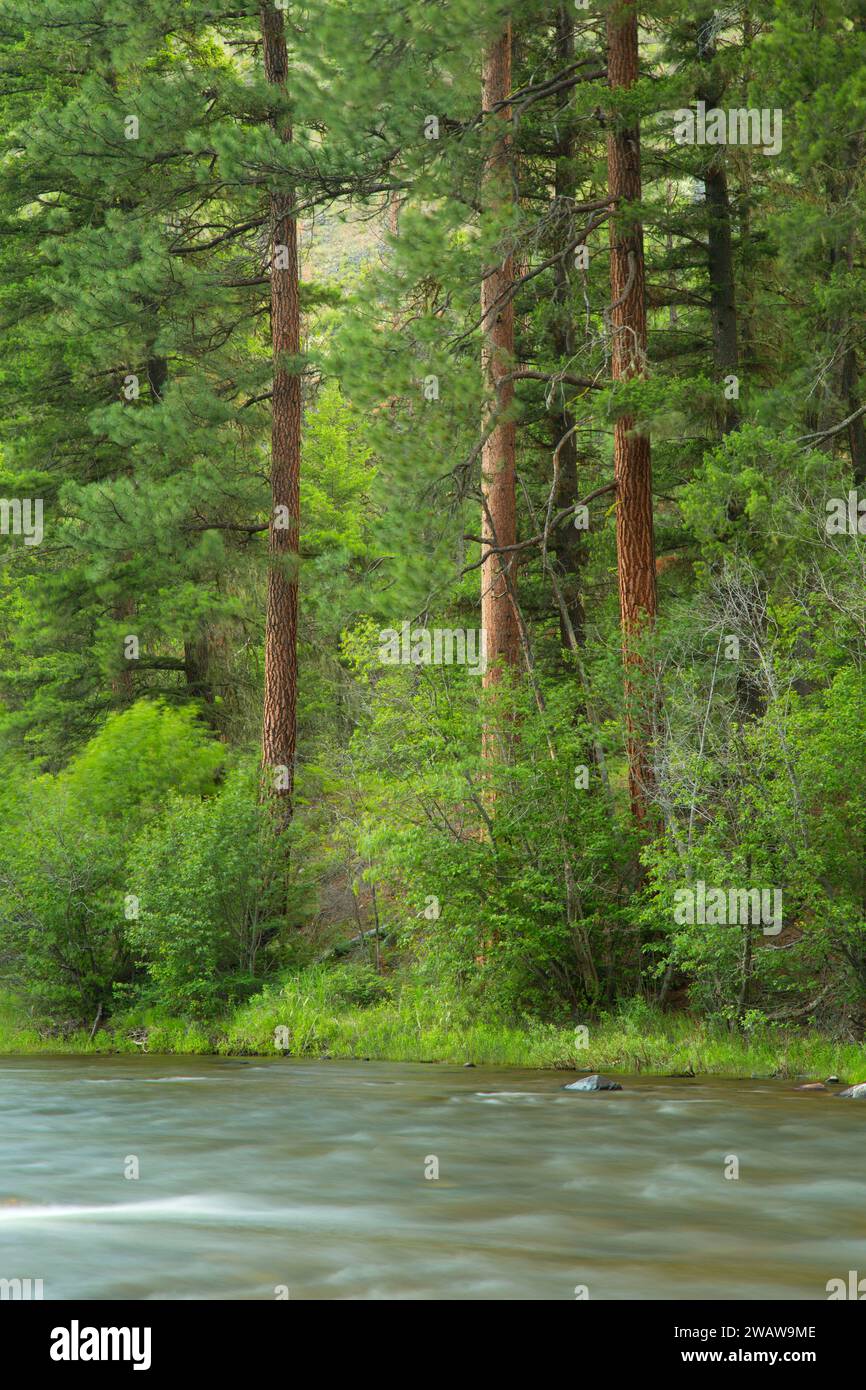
(434, 510)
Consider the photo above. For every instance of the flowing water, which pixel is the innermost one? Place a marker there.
(309, 1176)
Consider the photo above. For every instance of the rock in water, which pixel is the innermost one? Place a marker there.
(853, 1092)
(596, 1083)
(812, 1086)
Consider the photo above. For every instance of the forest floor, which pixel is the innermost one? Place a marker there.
(416, 1028)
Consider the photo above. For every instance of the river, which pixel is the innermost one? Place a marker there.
(264, 1178)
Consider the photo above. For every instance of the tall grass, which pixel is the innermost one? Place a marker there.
(322, 1017)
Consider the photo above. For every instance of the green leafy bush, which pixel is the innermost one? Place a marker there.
(64, 840)
(215, 889)
(356, 986)
(501, 880)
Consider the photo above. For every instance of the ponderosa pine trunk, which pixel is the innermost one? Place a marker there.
(279, 718)
(632, 465)
(720, 247)
(195, 647)
(123, 684)
(849, 376)
(720, 264)
(723, 308)
(498, 484)
(568, 543)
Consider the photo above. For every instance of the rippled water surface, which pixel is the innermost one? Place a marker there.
(261, 1173)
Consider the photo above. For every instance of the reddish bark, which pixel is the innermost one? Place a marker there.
(279, 718)
(498, 484)
(632, 464)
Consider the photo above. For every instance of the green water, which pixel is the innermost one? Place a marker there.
(310, 1176)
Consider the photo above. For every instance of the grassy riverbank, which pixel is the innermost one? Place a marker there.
(412, 1026)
